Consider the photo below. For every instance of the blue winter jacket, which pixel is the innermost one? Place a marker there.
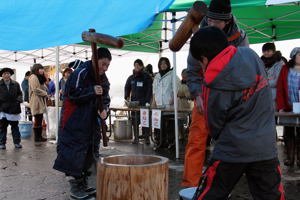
(79, 119)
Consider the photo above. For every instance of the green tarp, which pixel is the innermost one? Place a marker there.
(262, 23)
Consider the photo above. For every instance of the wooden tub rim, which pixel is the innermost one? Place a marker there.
(163, 160)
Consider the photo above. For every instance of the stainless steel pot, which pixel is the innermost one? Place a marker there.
(122, 129)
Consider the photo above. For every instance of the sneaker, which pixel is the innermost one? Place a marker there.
(135, 141)
(18, 146)
(141, 137)
(147, 140)
(89, 190)
(77, 190)
(2, 146)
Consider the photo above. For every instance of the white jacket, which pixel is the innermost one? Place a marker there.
(163, 88)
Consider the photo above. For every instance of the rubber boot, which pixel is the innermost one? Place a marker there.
(38, 135)
(77, 189)
(89, 190)
(145, 132)
(290, 148)
(298, 151)
(136, 136)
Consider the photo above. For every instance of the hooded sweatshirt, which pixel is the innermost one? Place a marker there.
(237, 107)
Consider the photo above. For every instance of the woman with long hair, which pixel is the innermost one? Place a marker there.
(37, 99)
(287, 93)
(163, 96)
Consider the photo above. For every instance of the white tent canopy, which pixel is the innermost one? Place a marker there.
(274, 2)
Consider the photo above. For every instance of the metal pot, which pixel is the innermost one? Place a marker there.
(122, 129)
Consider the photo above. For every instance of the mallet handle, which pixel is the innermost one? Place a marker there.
(184, 32)
(99, 38)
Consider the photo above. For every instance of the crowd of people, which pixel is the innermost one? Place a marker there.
(226, 84)
(36, 91)
(157, 91)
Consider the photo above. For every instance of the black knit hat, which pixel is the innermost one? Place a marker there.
(268, 46)
(9, 70)
(219, 9)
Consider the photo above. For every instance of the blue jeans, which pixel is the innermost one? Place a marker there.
(14, 129)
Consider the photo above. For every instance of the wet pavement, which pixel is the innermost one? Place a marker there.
(27, 174)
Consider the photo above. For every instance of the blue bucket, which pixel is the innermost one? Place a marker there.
(25, 129)
(188, 193)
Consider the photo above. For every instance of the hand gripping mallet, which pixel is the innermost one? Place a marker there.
(98, 38)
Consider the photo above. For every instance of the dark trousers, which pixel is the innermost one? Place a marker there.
(38, 121)
(166, 134)
(292, 144)
(220, 177)
(88, 162)
(14, 129)
(136, 120)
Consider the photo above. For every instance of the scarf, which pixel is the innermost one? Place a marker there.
(42, 78)
(269, 62)
(135, 73)
(163, 72)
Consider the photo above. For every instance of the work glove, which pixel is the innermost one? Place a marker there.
(199, 104)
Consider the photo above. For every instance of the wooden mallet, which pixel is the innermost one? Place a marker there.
(184, 32)
(98, 38)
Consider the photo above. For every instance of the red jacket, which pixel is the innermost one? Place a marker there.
(282, 96)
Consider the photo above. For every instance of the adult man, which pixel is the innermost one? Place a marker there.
(78, 136)
(219, 15)
(236, 96)
(10, 99)
(138, 87)
(25, 89)
(25, 86)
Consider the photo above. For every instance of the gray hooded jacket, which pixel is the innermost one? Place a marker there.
(237, 108)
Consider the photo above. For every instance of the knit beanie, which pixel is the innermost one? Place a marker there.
(268, 46)
(294, 52)
(220, 10)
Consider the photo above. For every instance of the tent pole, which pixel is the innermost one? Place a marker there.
(57, 70)
(175, 89)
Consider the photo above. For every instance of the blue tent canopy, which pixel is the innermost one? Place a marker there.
(27, 24)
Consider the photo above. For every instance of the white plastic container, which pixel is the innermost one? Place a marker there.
(296, 107)
(188, 193)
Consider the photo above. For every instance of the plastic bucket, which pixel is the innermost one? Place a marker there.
(188, 193)
(25, 129)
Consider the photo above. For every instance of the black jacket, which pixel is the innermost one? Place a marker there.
(139, 87)
(238, 107)
(10, 99)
